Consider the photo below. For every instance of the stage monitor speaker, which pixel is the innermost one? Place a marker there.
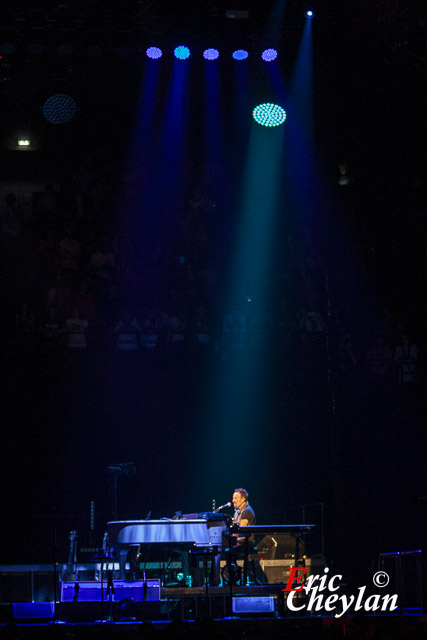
(262, 605)
(90, 590)
(38, 611)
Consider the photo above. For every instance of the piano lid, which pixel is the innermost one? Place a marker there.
(167, 531)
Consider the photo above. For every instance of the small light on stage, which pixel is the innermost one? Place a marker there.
(269, 115)
(309, 14)
(182, 53)
(269, 55)
(24, 143)
(154, 53)
(240, 54)
(211, 54)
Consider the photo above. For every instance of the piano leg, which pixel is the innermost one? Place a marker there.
(123, 554)
(214, 572)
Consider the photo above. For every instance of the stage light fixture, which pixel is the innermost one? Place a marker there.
(59, 109)
(211, 54)
(6, 48)
(36, 48)
(154, 53)
(24, 143)
(269, 55)
(269, 114)
(66, 50)
(181, 52)
(240, 54)
(123, 52)
(94, 51)
(309, 14)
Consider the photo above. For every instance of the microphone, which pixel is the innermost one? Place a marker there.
(223, 506)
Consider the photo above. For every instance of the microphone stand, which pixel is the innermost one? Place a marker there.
(55, 568)
(232, 529)
(110, 591)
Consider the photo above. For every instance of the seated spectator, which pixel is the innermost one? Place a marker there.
(45, 208)
(59, 296)
(379, 359)
(405, 359)
(84, 301)
(234, 329)
(76, 328)
(25, 322)
(52, 329)
(176, 329)
(260, 324)
(47, 201)
(48, 258)
(11, 216)
(103, 262)
(69, 251)
(127, 330)
(347, 356)
(311, 324)
(199, 326)
(149, 331)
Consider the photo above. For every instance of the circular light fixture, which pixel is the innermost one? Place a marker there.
(211, 54)
(154, 53)
(65, 49)
(269, 55)
(240, 54)
(7, 48)
(269, 114)
(59, 109)
(123, 51)
(309, 14)
(181, 52)
(36, 48)
(94, 50)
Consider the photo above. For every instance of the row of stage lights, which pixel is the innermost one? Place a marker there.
(61, 108)
(183, 53)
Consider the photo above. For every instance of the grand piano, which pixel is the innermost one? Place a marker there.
(162, 537)
(202, 534)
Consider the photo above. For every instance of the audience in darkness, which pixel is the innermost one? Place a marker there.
(73, 276)
(405, 359)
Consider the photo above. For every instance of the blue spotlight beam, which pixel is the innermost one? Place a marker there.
(302, 79)
(166, 183)
(258, 209)
(300, 141)
(213, 129)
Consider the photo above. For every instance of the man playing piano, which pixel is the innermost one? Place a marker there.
(244, 515)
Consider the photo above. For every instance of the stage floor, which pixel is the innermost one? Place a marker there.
(389, 627)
